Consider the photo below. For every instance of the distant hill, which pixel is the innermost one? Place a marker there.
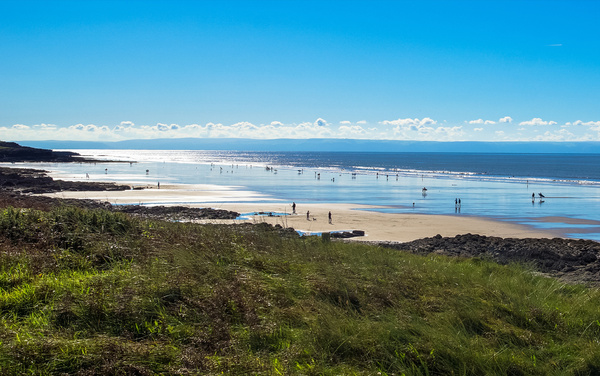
(13, 152)
(321, 144)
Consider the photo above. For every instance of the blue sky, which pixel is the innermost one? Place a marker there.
(409, 70)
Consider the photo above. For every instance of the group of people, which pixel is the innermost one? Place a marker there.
(540, 195)
(457, 205)
(308, 213)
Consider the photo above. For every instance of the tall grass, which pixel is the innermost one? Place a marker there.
(94, 292)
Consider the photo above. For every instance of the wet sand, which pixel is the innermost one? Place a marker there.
(345, 217)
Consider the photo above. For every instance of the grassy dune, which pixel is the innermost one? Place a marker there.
(91, 292)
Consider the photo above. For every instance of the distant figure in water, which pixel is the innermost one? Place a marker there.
(329, 217)
(87, 176)
(533, 197)
(158, 185)
(541, 195)
(106, 170)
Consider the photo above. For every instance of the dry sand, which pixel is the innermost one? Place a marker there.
(345, 217)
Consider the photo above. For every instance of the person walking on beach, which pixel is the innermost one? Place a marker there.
(308, 215)
(329, 216)
(293, 208)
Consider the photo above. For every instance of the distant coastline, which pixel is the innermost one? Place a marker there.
(13, 152)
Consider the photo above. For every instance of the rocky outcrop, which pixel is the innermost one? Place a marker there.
(176, 213)
(36, 181)
(570, 259)
(13, 152)
(347, 234)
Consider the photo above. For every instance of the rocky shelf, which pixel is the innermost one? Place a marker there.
(572, 260)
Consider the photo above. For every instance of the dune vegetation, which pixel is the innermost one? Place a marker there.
(95, 292)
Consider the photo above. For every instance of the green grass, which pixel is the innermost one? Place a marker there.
(91, 292)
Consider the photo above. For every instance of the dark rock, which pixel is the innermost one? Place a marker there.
(347, 234)
(36, 181)
(176, 213)
(559, 257)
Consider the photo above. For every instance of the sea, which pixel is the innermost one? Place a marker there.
(558, 192)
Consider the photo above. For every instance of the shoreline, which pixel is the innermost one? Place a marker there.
(560, 217)
(378, 226)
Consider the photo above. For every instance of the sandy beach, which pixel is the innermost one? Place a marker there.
(345, 217)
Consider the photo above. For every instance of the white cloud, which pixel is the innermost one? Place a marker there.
(537, 121)
(449, 133)
(415, 125)
(321, 122)
(86, 128)
(560, 135)
(162, 127)
(589, 123)
(481, 121)
(45, 126)
(348, 131)
(417, 129)
(410, 122)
